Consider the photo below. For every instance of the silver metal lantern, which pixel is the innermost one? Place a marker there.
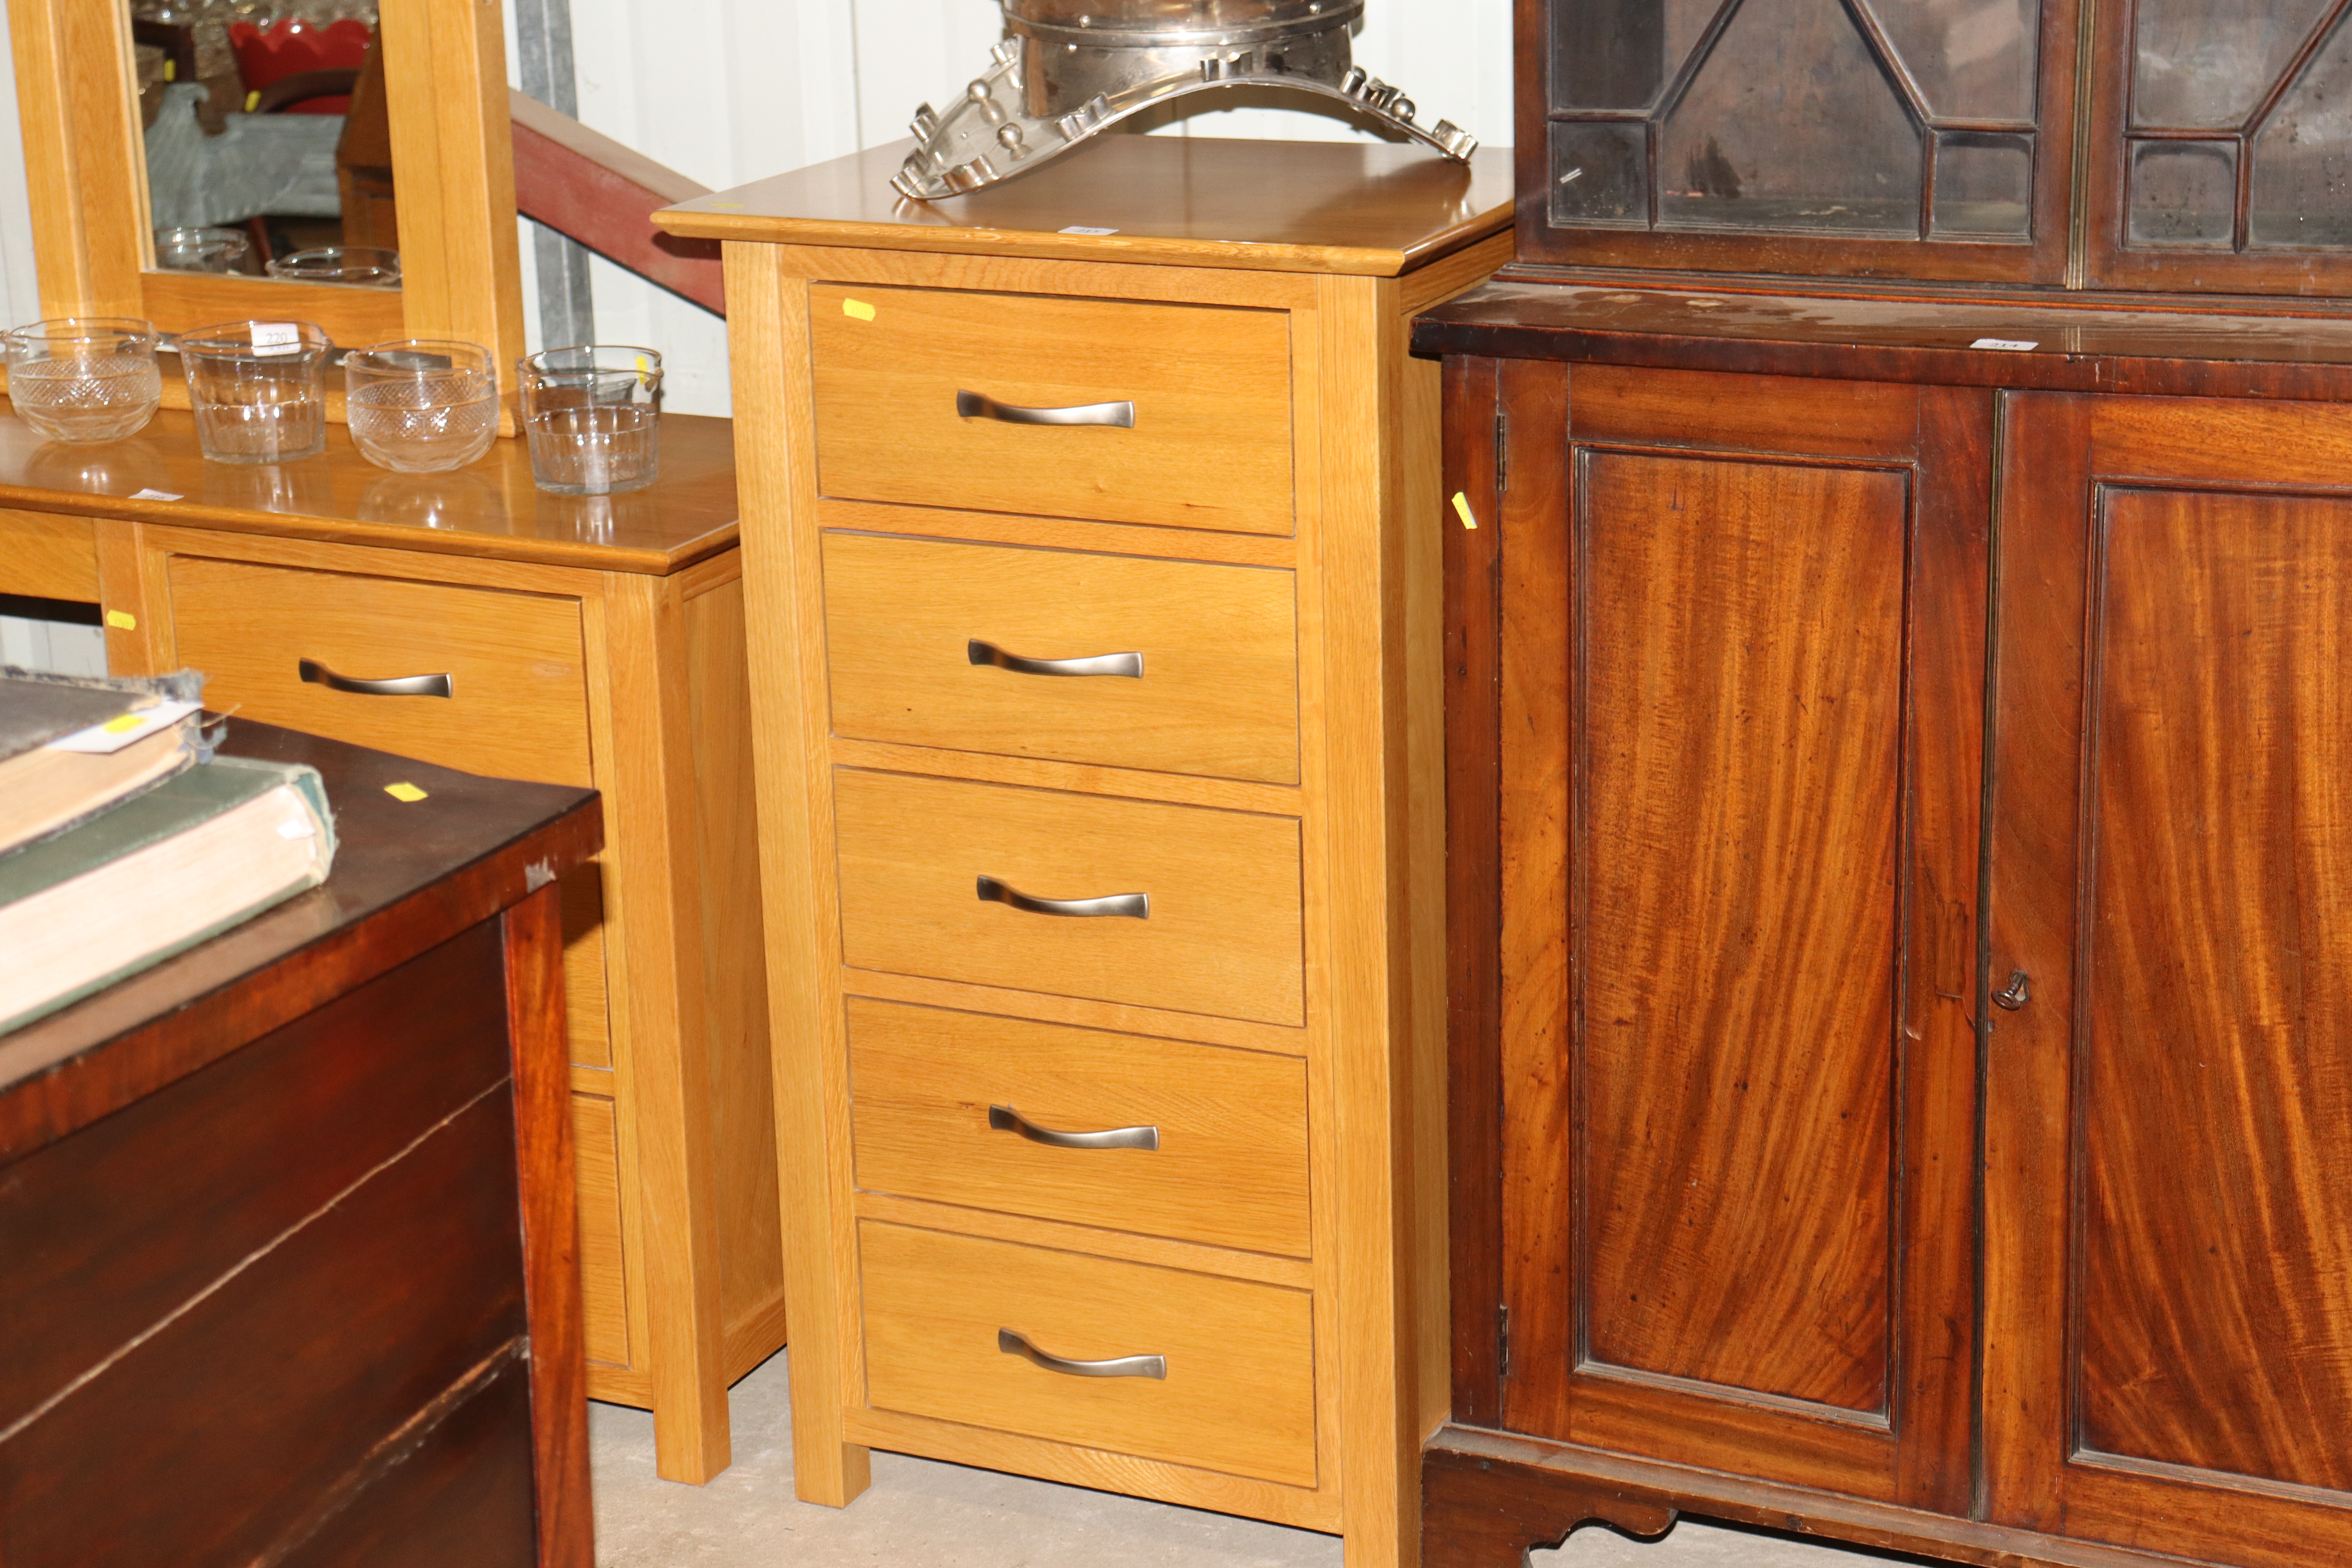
(1070, 68)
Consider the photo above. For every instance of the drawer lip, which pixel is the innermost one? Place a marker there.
(902, 612)
(1237, 950)
(1044, 350)
(1287, 1459)
(1234, 1171)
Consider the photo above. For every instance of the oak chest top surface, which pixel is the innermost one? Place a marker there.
(488, 508)
(1364, 208)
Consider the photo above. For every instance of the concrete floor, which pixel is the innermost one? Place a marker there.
(923, 1514)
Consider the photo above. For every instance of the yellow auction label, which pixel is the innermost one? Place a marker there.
(122, 620)
(406, 793)
(857, 309)
(1462, 505)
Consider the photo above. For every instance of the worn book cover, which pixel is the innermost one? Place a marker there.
(154, 875)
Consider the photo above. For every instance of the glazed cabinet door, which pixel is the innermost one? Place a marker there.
(2219, 146)
(1716, 721)
(1858, 138)
(2168, 1199)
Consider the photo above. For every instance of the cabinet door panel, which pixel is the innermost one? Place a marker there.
(1738, 719)
(2197, 1025)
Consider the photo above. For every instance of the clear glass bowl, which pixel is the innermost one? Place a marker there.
(84, 378)
(421, 406)
(259, 390)
(592, 416)
(201, 249)
(364, 265)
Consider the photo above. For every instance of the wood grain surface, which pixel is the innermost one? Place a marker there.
(1360, 208)
(1224, 932)
(2163, 1106)
(1736, 859)
(487, 509)
(1230, 1164)
(1210, 389)
(517, 701)
(1238, 1397)
(1218, 695)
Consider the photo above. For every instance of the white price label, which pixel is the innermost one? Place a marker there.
(2014, 345)
(277, 337)
(155, 495)
(1081, 228)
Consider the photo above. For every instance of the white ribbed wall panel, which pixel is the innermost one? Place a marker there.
(730, 90)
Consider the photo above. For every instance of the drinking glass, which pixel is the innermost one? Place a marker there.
(365, 265)
(592, 416)
(421, 406)
(200, 249)
(259, 390)
(84, 378)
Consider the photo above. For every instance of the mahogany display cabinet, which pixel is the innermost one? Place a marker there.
(1899, 548)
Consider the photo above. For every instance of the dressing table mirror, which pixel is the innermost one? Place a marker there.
(440, 67)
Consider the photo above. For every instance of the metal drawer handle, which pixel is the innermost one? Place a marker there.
(979, 406)
(317, 674)
(2016, 993)
(1137, 906)
(979, 652)
(1012, 1344)
(1005, 1119)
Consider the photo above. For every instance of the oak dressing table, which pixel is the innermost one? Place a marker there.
(576, 640)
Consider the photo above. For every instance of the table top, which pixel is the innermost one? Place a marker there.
(1353, 207)
(469, 849)
(489, 508)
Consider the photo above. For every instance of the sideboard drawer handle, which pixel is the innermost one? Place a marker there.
(317, 674)
(1005, 1119)
(1136, 906)
(1128, 664)
(979, 406)
(1012, 1344)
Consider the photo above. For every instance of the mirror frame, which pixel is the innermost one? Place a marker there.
(452, 162)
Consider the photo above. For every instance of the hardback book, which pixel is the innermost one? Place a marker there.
(70, 747)
(154, 875)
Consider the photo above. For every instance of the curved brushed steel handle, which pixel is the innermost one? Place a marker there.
(1005, 1119)
(1136, 906)
(317, 674)
(979, 652)
(979, 406)
(2019, 991)
(1012, 1344)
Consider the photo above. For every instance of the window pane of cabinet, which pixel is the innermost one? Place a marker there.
(2232, 133)
(1891, 118)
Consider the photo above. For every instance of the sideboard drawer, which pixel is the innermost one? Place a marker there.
(1220, 931)
(517, 701)
(932, 644)
(1209, 445)
(1207, 1144)
(1239, 1391)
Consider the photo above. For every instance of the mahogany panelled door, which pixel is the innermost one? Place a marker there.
(1735, 739)
(2167, 1318)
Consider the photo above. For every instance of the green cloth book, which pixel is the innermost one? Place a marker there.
(70, 747)
(154, 875)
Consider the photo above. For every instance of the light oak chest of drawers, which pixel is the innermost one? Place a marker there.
(1091, 583)
(578, 640)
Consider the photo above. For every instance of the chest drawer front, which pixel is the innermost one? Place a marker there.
(1216, 648)
(1209, 445)
(1238, 1395)
(1222, 934)
(1205, 1144)
(518, 702)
